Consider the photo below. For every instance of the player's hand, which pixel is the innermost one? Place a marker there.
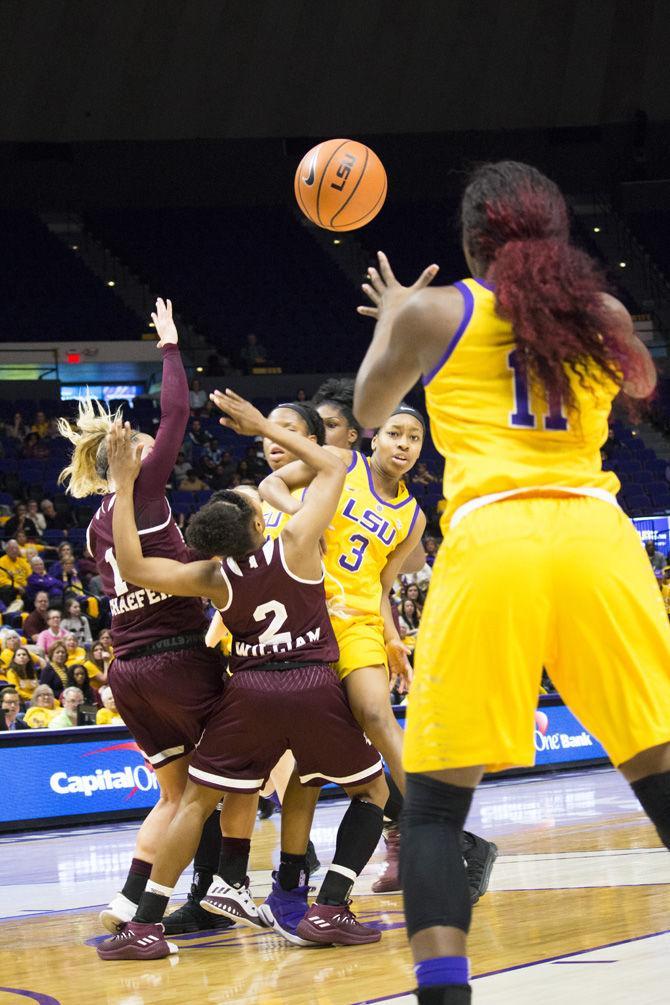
(241, 416)
(124, 458)
(400, 670)
(384, 290)
(165, 326)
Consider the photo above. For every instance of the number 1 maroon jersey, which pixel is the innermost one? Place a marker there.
(274, 616)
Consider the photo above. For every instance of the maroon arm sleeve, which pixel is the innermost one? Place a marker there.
(175, 410)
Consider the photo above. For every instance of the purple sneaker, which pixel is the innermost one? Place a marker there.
(335, 925)
(137, 941)
(284, 910)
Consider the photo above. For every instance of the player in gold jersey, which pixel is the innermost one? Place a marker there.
(521, 363)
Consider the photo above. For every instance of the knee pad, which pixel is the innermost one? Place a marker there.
(434, 881)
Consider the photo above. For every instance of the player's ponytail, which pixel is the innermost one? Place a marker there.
(515, 226)
(86, 474)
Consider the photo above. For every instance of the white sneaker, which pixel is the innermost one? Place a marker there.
(117, 913)
(232, 902)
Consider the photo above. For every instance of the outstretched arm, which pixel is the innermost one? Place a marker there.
(175, 409)
(640, 380)
(191, 579)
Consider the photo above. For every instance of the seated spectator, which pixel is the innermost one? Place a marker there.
(52, 519)
(409, 620)
(14, 572)
(220, 478)
(420, 580)
(65, 554)
(75, 652)
(105, 639)
(256, 465)
(245, 475)
(53, 633)
(77, 623)
(33, 511)
(252, 353)
(10, 705)
(39, 581)
(40, 424)
(97, 664)
(9, 643)
(78, 677)
(301, 394)
(108, 716)
(36, 621)
(55, 672)
(211, 454)
(192, 483)
(182, 466)
(33, 448)
(430, 547)
(413, 593)
(196, 435)
(20, 521)
(17, 429)
(94, 586)
(197, 398)
(656, 558)
(23, 674)
(42, 709)
(71, 699)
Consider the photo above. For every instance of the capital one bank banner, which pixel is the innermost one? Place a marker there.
(51, 780)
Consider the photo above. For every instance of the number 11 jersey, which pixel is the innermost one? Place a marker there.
(498, 436)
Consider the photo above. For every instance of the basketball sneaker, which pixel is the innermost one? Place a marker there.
(191, 917)
(137, 941)
(283, 910)
(232, 902)
(388, 880)
(117, 913)
(480, 856)
(335, 925)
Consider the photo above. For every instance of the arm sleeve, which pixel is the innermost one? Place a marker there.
(157, 467)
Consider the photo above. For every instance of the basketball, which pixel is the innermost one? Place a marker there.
(340, 185)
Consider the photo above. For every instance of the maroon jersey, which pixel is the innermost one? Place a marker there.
(274, 616)
(140, 616)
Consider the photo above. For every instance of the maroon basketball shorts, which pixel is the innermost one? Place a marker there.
(266, 712)
(165, 699)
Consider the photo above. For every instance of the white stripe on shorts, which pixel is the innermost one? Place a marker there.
(157, 759)
(360, 776)
(233, 783)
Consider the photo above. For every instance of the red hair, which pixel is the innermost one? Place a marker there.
(515, 226)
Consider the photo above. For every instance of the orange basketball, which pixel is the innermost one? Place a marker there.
(340, 184)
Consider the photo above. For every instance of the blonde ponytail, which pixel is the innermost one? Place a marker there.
(87, 470)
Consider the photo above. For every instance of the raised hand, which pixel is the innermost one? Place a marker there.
(124, 458)
(165, 326)
(240, 415)
(384, 290)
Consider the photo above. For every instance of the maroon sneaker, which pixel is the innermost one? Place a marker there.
(335, 925)
(388, 880)
(137, 941)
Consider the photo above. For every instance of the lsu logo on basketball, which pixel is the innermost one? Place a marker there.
(343, 171)
(370, 521)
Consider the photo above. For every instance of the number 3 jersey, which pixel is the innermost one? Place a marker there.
(275, 617)
(362, 535)
(140, 616)
(497, 435)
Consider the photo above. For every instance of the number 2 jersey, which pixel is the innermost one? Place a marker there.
(141, 616)
(498, 436)
(362, 535)
(274, 616)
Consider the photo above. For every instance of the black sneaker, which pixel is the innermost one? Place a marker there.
(480, 856)
(191, 917)
(313, 863)
(266, 808)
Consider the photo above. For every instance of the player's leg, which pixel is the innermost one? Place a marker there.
(172, 778)
(487, 628)
(143, 937)
(612, 663)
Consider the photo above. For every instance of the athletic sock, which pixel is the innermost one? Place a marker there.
(357, 837)
(207, 855)
(136, 881)
(443, 980)
(234, 860)
(394, 803)
(153, 903)
(654, 795)
(449, 994)
(293, 871)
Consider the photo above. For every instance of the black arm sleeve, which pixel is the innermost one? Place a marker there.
(175, 411)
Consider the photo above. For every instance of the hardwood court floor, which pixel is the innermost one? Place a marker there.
(579, 869)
